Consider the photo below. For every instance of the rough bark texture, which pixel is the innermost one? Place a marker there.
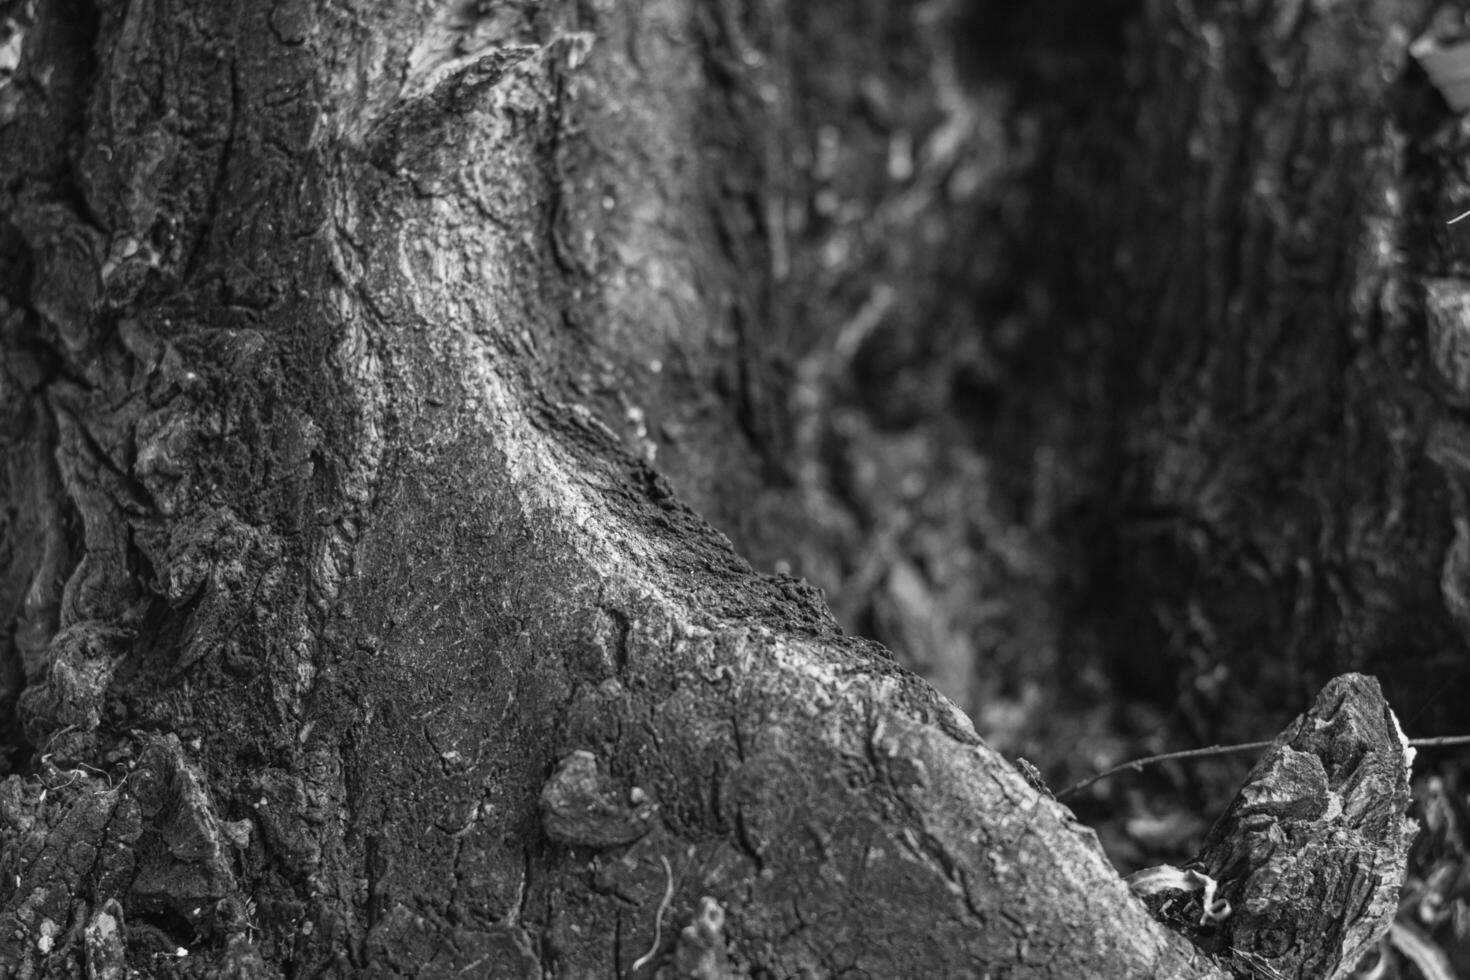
(1286, 499)
(353, 629)
(1311, 853)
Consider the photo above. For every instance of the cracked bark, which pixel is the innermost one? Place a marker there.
(353, 629)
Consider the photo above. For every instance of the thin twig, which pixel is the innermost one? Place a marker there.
(658, 921)
(1429, 743)
(1137, 764)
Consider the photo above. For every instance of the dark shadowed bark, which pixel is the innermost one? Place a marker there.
(1282, 392)
(371, 371)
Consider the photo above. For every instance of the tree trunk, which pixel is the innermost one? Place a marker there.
(362, 365)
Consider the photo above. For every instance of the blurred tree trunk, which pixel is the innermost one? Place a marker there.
(1282, 332)
(354, 355)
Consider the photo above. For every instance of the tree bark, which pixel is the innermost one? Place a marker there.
(1313, 849)
(1281, 394)
(353, 355)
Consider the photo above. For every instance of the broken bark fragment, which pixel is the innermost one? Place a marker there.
(1311, 853)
